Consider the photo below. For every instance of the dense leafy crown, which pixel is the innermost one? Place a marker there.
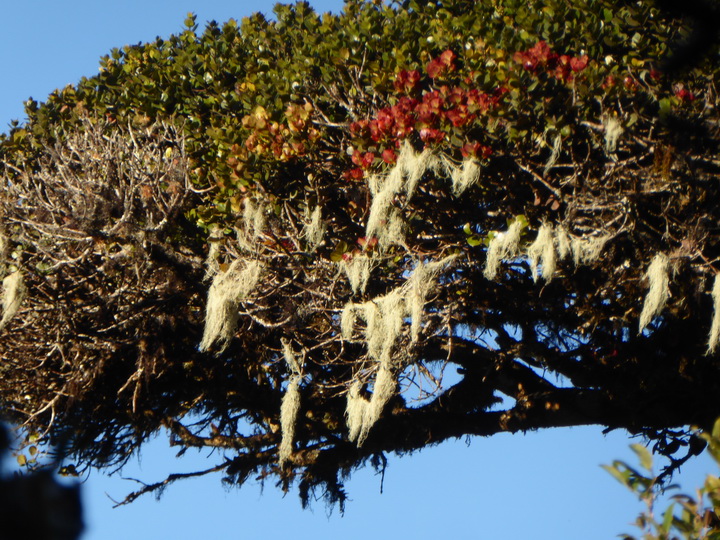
(311, 240)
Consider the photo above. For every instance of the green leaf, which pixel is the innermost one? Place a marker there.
(644, 455)
(668, 518)
(475, 240)
(716, 430)
(665, 107)
(620, 476)
(190, 21)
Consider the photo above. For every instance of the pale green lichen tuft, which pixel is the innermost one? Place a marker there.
(314, 229)
(554, 154)
(563, 242)
(212, 262)
(587, 249)
(613, 131)
(383, 390)
(289, 409)
(658, 289)
(357, 269)
(404, 176)
(290, 404)
(356, 411)
(13, 294)
(385, 317)
(542, 252)
(226, 292)
(393, 231)
(253, 224)
(348, 316)
(715, 327)
(291, 358)
(502, 246)
(465, 176)
(419, 285)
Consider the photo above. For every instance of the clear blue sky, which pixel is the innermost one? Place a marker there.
(540, 485)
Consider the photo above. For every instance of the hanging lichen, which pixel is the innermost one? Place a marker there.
(392, 233)
(542, 251)
(658, 289)
(715, 327)
(587, 249)
(253, 224)
(13, 294)
(357, 269)
(348, 316)
(503, 245)
(383, 390)
(613, 130)
(413, 166)
(212, 262)
(382, 198)
(419, 285)
(362, 414)
(404, 176)
(465, 176)
(314, 229)
(563, 243)
(356, 411)
(554, 155)
(288, 419)
(227, 290)
(290, 405)
(385, 317)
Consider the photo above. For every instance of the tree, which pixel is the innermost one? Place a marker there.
(698, 516)
(312, 241)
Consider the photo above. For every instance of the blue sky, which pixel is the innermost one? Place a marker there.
(540, 485)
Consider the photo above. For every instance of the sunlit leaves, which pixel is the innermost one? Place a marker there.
(688, 517)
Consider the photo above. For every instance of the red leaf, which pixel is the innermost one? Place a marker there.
(389, 156)
(578, 64)
(448, 59)
(435, 69)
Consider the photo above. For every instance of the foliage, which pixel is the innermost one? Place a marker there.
(686, 516)
(312, 240)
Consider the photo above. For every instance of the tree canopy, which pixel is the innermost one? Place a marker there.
(314, 240)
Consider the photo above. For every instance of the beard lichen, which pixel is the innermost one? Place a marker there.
(385, 317)
(13, 294)
(357, 269)
(290, 405)
(226, 292)
(502, 246)
(658, 289)
(715, 327)
(542, 252)
(314, 229)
